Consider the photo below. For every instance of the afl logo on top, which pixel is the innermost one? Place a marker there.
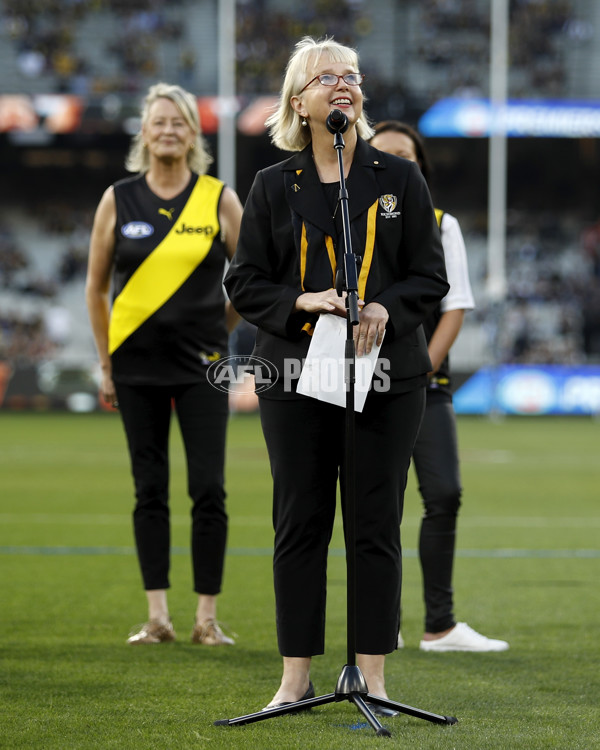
(137, 230)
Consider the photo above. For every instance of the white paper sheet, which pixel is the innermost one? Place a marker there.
(322, 376)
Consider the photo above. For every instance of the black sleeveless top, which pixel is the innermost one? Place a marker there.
(167, 325)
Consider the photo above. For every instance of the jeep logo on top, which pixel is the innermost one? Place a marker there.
(185, 229)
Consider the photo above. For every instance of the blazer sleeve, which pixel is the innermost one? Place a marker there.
(410, 300)
(258, 280)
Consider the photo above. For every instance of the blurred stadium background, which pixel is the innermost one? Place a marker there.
(73, 76)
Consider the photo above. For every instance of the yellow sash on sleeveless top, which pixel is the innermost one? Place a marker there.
(169, 265)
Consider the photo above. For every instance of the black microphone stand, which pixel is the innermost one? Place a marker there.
(351, 684)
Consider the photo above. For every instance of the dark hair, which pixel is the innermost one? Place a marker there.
(396, 126)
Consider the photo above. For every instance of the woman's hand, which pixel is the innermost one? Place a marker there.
(372, 320)
(318, 302)
(107, 388)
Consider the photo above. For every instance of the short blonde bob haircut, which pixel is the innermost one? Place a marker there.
(284, 125)
(198, 157)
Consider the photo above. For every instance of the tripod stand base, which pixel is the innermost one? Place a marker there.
(351, 686)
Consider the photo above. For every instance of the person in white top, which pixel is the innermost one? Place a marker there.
(435, 454)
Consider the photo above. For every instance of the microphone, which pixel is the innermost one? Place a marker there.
(337, 122)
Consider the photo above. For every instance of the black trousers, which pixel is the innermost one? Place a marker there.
(305, 441)
(202, 413)
(436, 464)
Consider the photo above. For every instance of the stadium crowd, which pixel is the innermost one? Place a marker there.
(264, 39)
(34, 322)
(44, 35)
(454, 39)
(450, 40)
(549, 274)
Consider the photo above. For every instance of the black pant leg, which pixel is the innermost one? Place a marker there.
(202, 413)
(146, 413)
(437, 467)
(304, 441)
(385, 435)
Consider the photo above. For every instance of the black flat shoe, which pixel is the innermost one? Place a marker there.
(381, 711)
(310, 693)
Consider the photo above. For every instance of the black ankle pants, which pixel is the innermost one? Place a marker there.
(305, 441)
(202, 414)
(436, 464)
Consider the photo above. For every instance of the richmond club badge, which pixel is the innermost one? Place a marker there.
(389, 202)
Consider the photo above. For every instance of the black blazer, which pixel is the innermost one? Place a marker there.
(290, 243)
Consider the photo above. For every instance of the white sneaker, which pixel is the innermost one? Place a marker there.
(463, 638)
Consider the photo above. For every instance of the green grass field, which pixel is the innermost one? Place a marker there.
(527, 570)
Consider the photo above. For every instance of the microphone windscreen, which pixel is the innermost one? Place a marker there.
(337, 122)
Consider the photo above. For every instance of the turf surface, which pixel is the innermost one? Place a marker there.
(527, 570)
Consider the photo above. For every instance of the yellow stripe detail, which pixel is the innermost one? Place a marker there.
(331, 253)
(368, 255)
(303, 251)
(438, 215)
(169, 265)
(308, 327)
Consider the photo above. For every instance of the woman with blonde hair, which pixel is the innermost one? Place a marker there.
(161, 239)
(282, 280)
